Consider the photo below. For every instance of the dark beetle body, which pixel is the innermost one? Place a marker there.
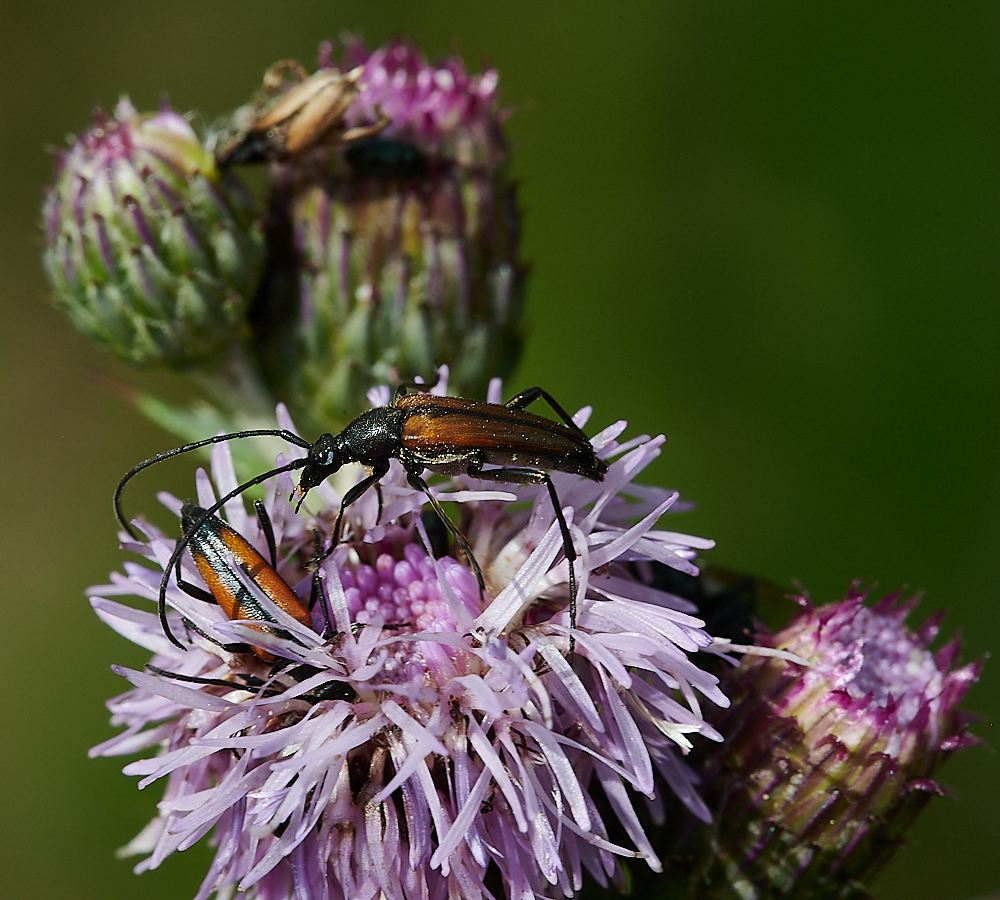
(215, 548)
(385, 159)
(452, 436)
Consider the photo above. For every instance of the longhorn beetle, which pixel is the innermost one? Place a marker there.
(216, 549)
(448, 435)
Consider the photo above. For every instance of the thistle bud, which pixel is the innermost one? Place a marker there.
(405, 231)
(824, 767)
(150, 250)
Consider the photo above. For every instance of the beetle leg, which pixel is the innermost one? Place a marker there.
(192, 590)
(316, 590)
(529, 396)
(417, 482)
(265, 525)
(534, 476)
(316, 595)
(229, 648)
(353, 494)
(251, 684)
(437, 534)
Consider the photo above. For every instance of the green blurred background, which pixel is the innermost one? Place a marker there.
(769, 230)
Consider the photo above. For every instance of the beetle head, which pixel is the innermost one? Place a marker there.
(189, 515)
(325, 458)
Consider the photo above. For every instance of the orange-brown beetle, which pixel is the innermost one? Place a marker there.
(215, 548)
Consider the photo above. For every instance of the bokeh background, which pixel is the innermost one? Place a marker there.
(769, 230)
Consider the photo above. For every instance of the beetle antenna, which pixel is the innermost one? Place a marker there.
(175, 558)
(282, 433)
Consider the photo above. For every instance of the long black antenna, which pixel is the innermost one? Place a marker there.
(175, 559)
(289, 436)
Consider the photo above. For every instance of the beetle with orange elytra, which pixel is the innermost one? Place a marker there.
(222, 555)
(447, 435)
(218, 551)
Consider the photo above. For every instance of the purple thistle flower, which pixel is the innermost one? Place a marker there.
(444, 110)
(404, 246)
(824, 767)
(437, 734)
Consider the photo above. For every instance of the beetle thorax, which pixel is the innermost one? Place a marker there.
(372, 438)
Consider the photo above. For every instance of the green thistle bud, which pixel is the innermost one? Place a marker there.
(823, 768)
(150, 250)
(404, 229)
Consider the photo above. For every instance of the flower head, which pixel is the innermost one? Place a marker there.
(422, 739)
(404, 246)
(825, 766)
(150, 250)
(446, 112)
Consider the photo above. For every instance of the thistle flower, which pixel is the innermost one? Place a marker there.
(440, 109)
(405, 246)
(422, 740)
(825, 767)
(149, 249)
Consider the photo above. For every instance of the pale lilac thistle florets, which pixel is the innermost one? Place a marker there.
(435, 743)
(882, 669)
